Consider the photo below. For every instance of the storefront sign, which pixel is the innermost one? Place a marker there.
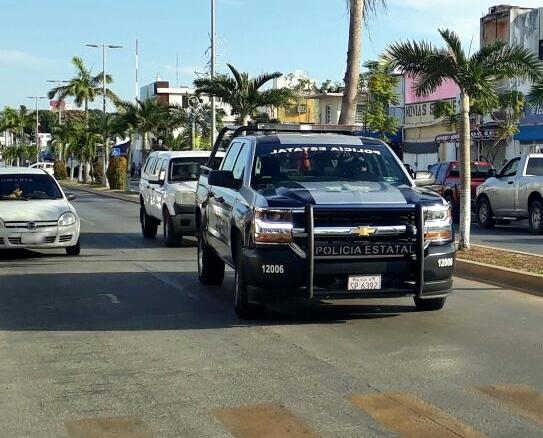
(481, 134)
(421, 113)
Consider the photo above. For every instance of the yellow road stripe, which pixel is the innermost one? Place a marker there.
(263, 421)
(412, 417)
(521, 398)
(118, 427)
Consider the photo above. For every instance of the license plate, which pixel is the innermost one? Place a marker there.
(364, 282)
(32, 239)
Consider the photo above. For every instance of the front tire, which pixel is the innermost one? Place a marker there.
(536, 217)
(74, 250)
(210, 265)
(243, 308)
(171, 237)
(149, 225)
(484, 213)
(429, 304)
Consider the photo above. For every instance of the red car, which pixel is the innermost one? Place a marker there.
(447, 174)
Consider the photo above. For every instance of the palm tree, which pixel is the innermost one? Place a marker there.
(476, 75)
(84, 87)
(359, 12)
(243, 93)
(536, 94)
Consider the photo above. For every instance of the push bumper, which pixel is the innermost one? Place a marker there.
(425, 274)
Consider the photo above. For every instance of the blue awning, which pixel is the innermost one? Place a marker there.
(529, 133)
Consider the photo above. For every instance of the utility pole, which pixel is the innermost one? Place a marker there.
(37, 126)
(104, 46)
(213, 114)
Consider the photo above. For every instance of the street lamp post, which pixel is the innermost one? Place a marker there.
(104, 46)
(37, 125)
(58, 82)
(213, 114)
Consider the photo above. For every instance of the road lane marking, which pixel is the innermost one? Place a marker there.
(412, 417)
(523, 399)
(117, 427)
(263, 421)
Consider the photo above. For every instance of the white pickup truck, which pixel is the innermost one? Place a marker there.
(167, 194)
(515, 192)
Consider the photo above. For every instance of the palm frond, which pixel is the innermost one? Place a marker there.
(454, 45)
(410, 57)
(535, 97)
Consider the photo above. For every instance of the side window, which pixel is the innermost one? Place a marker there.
(148, 165)
(510, 169)
(231, 155)
(434, 169)
(241, 162)
(157, 166)
(535, 167)
(442, 173)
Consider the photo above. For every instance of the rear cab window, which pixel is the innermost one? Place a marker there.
(534, 166)
(186, 169)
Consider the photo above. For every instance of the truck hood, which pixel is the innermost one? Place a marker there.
(185, 186)
(33, 210)
(351, 193)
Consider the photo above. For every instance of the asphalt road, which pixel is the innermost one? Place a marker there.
(514, 236)
(123, 342)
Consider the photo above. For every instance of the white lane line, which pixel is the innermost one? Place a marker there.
(113, 298)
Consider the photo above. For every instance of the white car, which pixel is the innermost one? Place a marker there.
(47, 166)
(35, 213)
(168, 193)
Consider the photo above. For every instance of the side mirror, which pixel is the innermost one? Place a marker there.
(70, 196)
(162, 177)
(492, 173)
(424, 178)
(223, 178)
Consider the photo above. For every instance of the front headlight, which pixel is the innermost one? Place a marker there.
(67, 219)
(438, 223)
(273, 226)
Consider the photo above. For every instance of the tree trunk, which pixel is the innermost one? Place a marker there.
(80, 171)
(128, 166)
(105, 154)
(465, 173)
(352, 73)
(72, 169)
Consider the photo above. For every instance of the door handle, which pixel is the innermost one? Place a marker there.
(510, 182)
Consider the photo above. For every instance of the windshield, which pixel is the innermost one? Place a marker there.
(280, 164)
(24, 187)
(477, 170)
(186, 169)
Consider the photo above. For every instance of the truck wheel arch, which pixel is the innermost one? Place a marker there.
(534, 196)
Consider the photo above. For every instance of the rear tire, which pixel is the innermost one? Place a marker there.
(149, 225)
(536, 217)
(429, 304)
(210, 265)
(484, 213)
(74, 250)
(172, 239)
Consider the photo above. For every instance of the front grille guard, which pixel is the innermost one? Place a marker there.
(310, 253)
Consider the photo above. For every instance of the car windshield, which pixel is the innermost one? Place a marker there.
(186, 169)
(477, 170)
(281, 164)
(28, 186)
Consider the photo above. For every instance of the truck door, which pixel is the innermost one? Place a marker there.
(219, 203)
(503, 194)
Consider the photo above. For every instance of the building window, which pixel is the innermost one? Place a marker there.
(359, 115)
(328, 114)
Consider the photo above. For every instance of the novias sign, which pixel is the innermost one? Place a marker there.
(423, 112)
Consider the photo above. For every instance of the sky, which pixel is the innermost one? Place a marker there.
(38, 38)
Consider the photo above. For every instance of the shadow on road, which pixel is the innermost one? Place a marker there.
(149, 301)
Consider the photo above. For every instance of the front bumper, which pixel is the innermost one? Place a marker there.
(43, 238)
(184, 221)
(426, 274)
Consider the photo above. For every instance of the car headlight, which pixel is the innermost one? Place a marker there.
(185, 198)
(438, 223)
(273, 226)
(67, 219)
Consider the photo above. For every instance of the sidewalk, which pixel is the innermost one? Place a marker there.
(117, 194)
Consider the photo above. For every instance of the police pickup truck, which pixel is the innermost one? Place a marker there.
(318, 212)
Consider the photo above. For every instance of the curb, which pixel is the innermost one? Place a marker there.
(510, 278)
(531, 254)
(114, 195)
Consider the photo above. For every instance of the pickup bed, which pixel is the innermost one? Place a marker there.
(516, 192)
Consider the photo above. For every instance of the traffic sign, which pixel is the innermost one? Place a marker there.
(116, 152)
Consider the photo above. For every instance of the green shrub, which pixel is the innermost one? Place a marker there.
(60, 170)
(97, 170)
(116, 173)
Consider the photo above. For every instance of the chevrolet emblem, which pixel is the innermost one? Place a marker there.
(364, 231)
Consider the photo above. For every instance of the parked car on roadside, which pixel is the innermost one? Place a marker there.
(319, 213)
(167, 194)
(35, 213)
(516, 192)
(47, 166)
(447, 184)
